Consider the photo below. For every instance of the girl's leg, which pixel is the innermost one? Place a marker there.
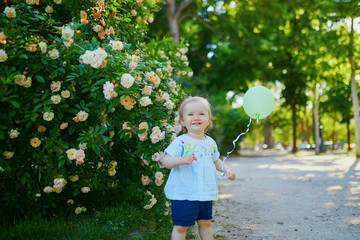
(205, 231)
(178, 232)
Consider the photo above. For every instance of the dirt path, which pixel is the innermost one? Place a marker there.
(284, 196)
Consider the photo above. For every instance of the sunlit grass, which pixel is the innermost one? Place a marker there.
(122, 222)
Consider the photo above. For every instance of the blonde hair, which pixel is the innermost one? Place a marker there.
(192, 100)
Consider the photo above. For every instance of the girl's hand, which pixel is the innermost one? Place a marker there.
(188, 159)
(230, 175)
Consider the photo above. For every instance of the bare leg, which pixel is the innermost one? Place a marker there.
(205, 231)
(178, 232)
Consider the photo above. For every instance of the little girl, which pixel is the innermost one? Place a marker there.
(193, 158)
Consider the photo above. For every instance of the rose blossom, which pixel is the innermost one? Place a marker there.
(147, 90)
(43, 47)
(71, 153)
(116, 45)
(127, 102)
(41, 128)
(8, 155)
(55, 86)
(159, 182)
(3, 55)
(65, 94)
(63, 126)
(48, 189)
(49, 9)
(67, 33)
(156, 157)
(35, 142)
(48, 116)
(145, 101)
(56, 99)
(13, 133)
(53, 54)
(10, 12)
(145, 180)
(2, 38)
(85, 189)
(127, 80)
(74, 178)
(169, 105)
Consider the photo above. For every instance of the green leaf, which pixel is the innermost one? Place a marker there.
(141, 131)
(15, 104)
(61, 163)
(62, 70)
(75, 192)
(40, 78)
(85, 90)
(106, 138)
(23, 179)
(25, 56)
(54, 74)
(71, 130)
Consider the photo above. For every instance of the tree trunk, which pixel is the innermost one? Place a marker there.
(354, 90)
(348, 134)
(175, 14)
(269, 141)
(172, 18)
(334, 131)
(316, 118)
(356, 112)
(294, 118)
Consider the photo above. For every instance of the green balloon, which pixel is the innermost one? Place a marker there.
(258, 102)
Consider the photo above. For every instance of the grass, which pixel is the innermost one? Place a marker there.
(120, 222)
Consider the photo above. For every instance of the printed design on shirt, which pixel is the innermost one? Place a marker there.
(198, 151)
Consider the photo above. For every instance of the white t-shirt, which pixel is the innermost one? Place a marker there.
(197, 181)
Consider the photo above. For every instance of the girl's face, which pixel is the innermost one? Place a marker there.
(195, 118)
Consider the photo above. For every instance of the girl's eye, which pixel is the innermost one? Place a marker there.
(202, 114)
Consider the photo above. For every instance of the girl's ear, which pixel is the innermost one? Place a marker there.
(181, 121)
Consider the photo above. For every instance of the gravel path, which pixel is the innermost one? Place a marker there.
(279, 196)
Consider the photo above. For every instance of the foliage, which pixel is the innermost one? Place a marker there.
(89, 105)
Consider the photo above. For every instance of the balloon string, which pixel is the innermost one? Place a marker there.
(228, 153)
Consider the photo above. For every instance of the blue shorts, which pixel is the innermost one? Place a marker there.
(185, 213)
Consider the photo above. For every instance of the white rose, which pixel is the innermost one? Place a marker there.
(43, 47)
(49, 9)
(65, 94)
(56, 99)
(117, 45)
(8, 155)
(13, 133)
(67, 32)
(127, 80)
(85, 189)
(48, 116)
(145, 101)
(3, 55)
(10, 12)
(87, 57)
(83, 116)
(54, 54)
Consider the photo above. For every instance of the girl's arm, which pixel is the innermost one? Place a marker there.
(170, 162)
(219, 166)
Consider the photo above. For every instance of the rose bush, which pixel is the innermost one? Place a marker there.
(88, 105)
